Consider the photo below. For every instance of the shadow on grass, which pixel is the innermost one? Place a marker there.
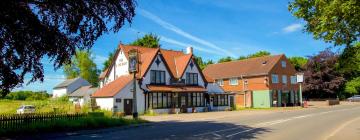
(171, 130)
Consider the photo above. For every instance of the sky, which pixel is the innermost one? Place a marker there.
(215, 29)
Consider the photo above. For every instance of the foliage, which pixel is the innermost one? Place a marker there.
(107, 63)
(82, 65)
(149, 40)
(202, 64)
(254, 55)
(335, 21)
(27, 95)
(225, 59)
(30, 30)
(321, 76)
(298, 62)
(63, 124)
(349, 61)
(353, 86)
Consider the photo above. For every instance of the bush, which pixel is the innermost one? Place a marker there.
(27, 95)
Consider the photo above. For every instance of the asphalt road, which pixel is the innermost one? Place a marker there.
(339, 122)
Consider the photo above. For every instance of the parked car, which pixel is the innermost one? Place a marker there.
(25, 109)
(355, 98)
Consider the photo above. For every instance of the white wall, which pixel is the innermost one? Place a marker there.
(105, 103)
(59, 92)
(194, 69)
(120, 68)
(154, 66)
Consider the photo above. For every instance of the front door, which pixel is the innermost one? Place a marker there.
(183, 106)
(128, 106)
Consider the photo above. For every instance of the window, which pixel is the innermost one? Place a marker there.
(191, 78)
(157, 77)
(220, 100)
(220, 82)
(118, 100)
(283, 64)
(284, 79)
(274, 78)
(160, 100)
(293, 79)
(233, 81)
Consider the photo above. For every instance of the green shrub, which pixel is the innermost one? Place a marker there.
(27, 95)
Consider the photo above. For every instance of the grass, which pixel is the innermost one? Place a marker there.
(42, 106)
(71, 125)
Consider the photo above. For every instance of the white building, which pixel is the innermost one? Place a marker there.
(167, 81)
(69, 86)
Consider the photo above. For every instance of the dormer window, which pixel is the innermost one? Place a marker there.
(191, 78)
(157, 77)
(283, 64)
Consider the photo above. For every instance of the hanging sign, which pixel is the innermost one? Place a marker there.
(133, 61)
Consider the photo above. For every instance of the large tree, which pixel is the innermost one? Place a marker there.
(225, 59)
(30, 30)
(82, 65)
(254, 55)
(298, 62)
(322, 79)
(148, 40)
(201, 63)
(334, 21)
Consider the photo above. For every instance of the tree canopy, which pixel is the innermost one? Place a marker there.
(31, 30)
(254, 55)
(82, 65)
(201, 63)
(148, 40)
(322, 79)
(107, 63)
(334, 21)
(225, 59)
(298, 62)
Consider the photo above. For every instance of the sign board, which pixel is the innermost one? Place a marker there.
(133, 61)
(300, 77)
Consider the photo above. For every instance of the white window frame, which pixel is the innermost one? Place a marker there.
(274, 78)
(220, 82)
(284, 79)
(233, 81)
(283, 64)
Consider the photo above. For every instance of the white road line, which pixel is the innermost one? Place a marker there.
(341, 127)
(240, 132)
(216, 134)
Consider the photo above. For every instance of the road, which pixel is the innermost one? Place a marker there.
(338, 122)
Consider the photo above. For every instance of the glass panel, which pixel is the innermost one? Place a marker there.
(154, 100)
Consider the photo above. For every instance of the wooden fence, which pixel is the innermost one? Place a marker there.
(10, 121)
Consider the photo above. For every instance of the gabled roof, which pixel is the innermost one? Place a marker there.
(247, 67)
(113, 87)
(175, 61)
(68, 82)
(82, 91)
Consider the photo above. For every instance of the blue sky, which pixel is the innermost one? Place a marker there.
(214, 29)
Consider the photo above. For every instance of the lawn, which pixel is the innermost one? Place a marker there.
(42, 106)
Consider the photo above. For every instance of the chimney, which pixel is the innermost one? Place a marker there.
(189, 50)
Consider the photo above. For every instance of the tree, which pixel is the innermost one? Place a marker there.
(149, 40)
(30, 30)
(334, 21)
(202, 64)
(107, 63)
(321, 76)
(225, 59)
(353, 86)
(259, 54)
(82, 65)
(298, 62)
(349, 61)
(254, 55)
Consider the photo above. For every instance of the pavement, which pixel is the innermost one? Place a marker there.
(333, 123)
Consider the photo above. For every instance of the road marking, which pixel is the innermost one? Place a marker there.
(221, 130)
(240, 132)
(216, 134)
(341, 127)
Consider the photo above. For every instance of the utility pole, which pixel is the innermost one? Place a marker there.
(135, 113)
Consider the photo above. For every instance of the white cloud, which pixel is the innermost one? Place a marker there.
(292, 28)
(179, 31)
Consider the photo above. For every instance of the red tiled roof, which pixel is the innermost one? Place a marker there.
(113, 87)
(102, 75)
(247, 67)
(166, 88)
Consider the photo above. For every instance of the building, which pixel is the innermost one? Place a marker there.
(261, 82)
(82, 95)
(167, 81)
(69, 86)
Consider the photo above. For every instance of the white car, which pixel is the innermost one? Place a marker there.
(355, 98)
(25, 109)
